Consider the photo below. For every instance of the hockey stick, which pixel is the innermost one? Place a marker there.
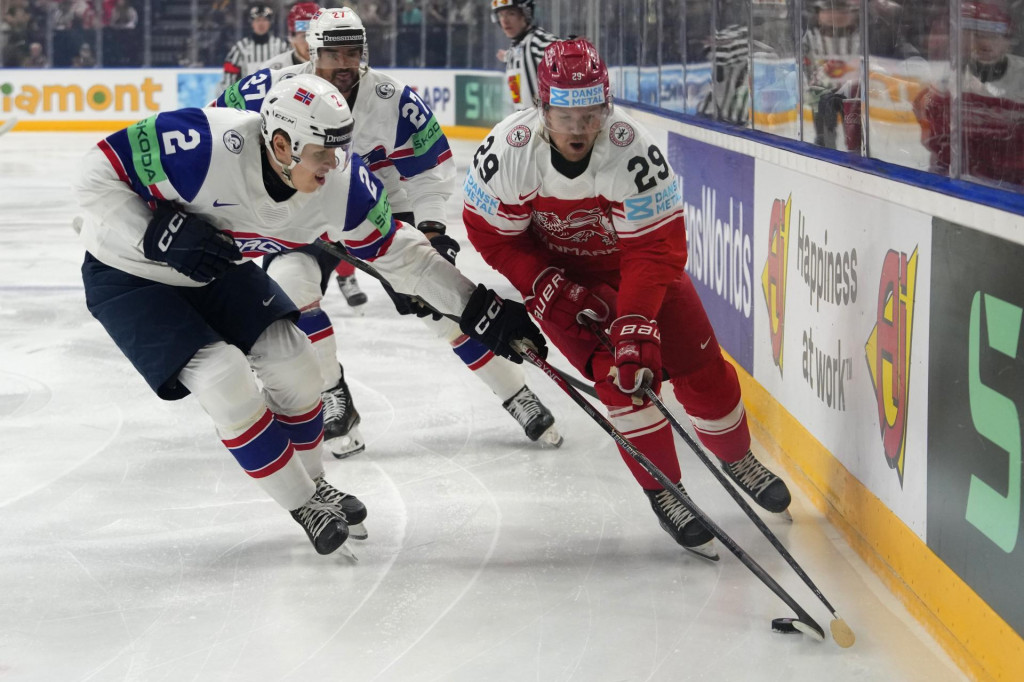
(363, 266)
(804, 622)
(841, 632)
(7, 125)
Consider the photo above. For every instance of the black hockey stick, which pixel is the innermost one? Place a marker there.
(804, 622)
(338, 252)
(841, 632)
(804, 619)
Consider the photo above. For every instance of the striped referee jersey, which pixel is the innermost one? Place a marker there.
(521, 60)
(246, 56)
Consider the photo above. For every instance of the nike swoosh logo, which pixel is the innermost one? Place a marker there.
(702, 346)
(524, 197)
(217, 204)
(269, 300)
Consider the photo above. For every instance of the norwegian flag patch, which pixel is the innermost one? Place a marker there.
(304, 96)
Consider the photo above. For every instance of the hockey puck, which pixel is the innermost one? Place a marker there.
(784, 625)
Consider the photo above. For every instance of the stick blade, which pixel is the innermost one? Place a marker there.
(812, 630)
(842, 633)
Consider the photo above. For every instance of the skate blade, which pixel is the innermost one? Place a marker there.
(785, 515)
(358, 532)
(706, 551)
(351, 443)
(551, 437)
(347, 553)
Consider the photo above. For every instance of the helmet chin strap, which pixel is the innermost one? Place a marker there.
(286, 171)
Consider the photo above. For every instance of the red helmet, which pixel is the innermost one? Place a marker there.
(299, 16)
(572, 74)
(989, 16)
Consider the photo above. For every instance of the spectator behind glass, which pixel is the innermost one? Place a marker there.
(85, 58)
(35, 59)
(992, 101)
(123, 16)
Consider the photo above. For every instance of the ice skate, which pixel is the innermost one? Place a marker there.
(324, 524)
(757, 481)
(351, 290)
(341, 421)
(352, 508)
(536, 420)
(681, 524)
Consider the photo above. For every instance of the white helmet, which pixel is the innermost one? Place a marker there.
(310, 111)
(336, 27)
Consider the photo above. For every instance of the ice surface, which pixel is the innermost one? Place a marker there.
(132, 547)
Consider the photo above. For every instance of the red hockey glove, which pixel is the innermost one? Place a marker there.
(563, 304)
(637, 344)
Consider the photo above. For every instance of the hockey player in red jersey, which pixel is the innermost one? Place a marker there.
(578, 207)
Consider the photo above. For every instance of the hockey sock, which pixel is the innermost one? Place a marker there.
(711, 397)
(306, 432)
(650, 432)
(501, 376)
(318, 328)
(265, 453)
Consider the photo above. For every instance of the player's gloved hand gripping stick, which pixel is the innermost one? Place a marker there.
(189, 244)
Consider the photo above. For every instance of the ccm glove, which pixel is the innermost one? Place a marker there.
(563, 304)
(410, 305)
(189, 244)
(498, 324)
(637, 343)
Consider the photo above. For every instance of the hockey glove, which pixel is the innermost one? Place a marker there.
(446, 246)
(563, 304)
(189, 244)
(498, 324)
(410, 305)
(637, 344)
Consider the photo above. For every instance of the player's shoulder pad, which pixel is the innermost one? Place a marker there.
(503, 161)
(382, 85)
(174, 147)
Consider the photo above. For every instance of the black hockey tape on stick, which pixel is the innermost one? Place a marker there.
(841, 632)
(363, 266)
(804, 619)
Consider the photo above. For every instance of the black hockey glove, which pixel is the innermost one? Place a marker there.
(407, 305)
(446, 246)
(188, 244)
(498, 324)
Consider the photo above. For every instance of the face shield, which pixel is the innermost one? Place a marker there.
(576, 120)
(320, 160)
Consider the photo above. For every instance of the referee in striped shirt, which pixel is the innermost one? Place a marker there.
(247, 54)
(527, 49)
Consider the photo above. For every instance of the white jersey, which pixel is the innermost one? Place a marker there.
(209, 162)
(282, 61)
(623, 213)
(396, 133)
(521, 60)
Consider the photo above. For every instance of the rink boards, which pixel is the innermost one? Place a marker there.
(878, 329)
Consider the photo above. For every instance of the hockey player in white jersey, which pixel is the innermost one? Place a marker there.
(401, 141)
(174, 203)
(526, 51)
(577, 206)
